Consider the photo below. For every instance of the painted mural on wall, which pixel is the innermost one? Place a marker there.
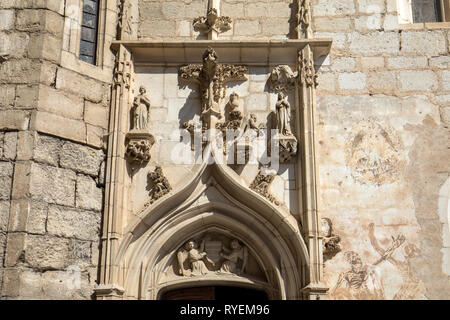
(364, 280)
(374, 152)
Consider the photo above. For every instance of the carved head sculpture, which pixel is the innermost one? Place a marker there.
(142, 90)
(327, 227)
(281, 96)
(234, 244)
(190, 245)
(234, 96)
(253, 117)
(209, 55)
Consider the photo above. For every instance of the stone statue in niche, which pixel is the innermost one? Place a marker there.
(283, 115)
(139, 141)
(233, 257)
(282, 79)
(191, 260)
(331, 242)
(159, 185)
(140, 110)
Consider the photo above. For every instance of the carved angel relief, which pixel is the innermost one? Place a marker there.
(212, 256)
(159, 185)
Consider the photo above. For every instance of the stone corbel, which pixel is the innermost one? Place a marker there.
(139, 144)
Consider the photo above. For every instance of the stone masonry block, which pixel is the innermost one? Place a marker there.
(69, 223)
(60, 103)
(6, 19)
(88, 196)
(78, 84)
(246, 28)
(424, 42)
(52, 185)
(375, 43)
(418, 80)
(352, 81)
(53, 124)
(10, 145)
(4, 215)
(47, 149)
(333, 7)
(28, 216)
(14, 119)
(81, 158)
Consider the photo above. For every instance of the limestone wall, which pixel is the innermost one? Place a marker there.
(383, 137)
(256, 19)
(53, 120)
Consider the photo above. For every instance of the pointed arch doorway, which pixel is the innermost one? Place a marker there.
(218, 293)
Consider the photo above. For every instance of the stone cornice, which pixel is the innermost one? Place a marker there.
(245, 52)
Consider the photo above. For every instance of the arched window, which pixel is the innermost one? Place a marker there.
(89, 31)
(430, 10)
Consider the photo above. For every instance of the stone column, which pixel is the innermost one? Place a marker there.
(115, 188)
(310, 217)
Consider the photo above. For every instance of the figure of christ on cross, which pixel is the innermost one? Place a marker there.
(211, 77)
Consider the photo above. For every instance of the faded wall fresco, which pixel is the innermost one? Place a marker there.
(383, 152)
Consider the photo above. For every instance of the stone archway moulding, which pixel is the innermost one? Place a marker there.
(137, 247)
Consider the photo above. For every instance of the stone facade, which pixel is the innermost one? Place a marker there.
(78, 220)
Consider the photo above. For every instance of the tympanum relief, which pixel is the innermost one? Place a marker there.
(214, 255)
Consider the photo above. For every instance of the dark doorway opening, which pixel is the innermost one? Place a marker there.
(218, 293)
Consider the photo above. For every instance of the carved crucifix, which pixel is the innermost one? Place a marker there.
(211, 77)
(213, 23)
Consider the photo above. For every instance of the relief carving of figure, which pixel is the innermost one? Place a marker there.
(237, 254)
(283, 115)
(361, 282)
(195, 258)
(140, 110)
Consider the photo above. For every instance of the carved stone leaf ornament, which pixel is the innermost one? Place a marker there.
(282, 79)
(308, 74)
(212, 21)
